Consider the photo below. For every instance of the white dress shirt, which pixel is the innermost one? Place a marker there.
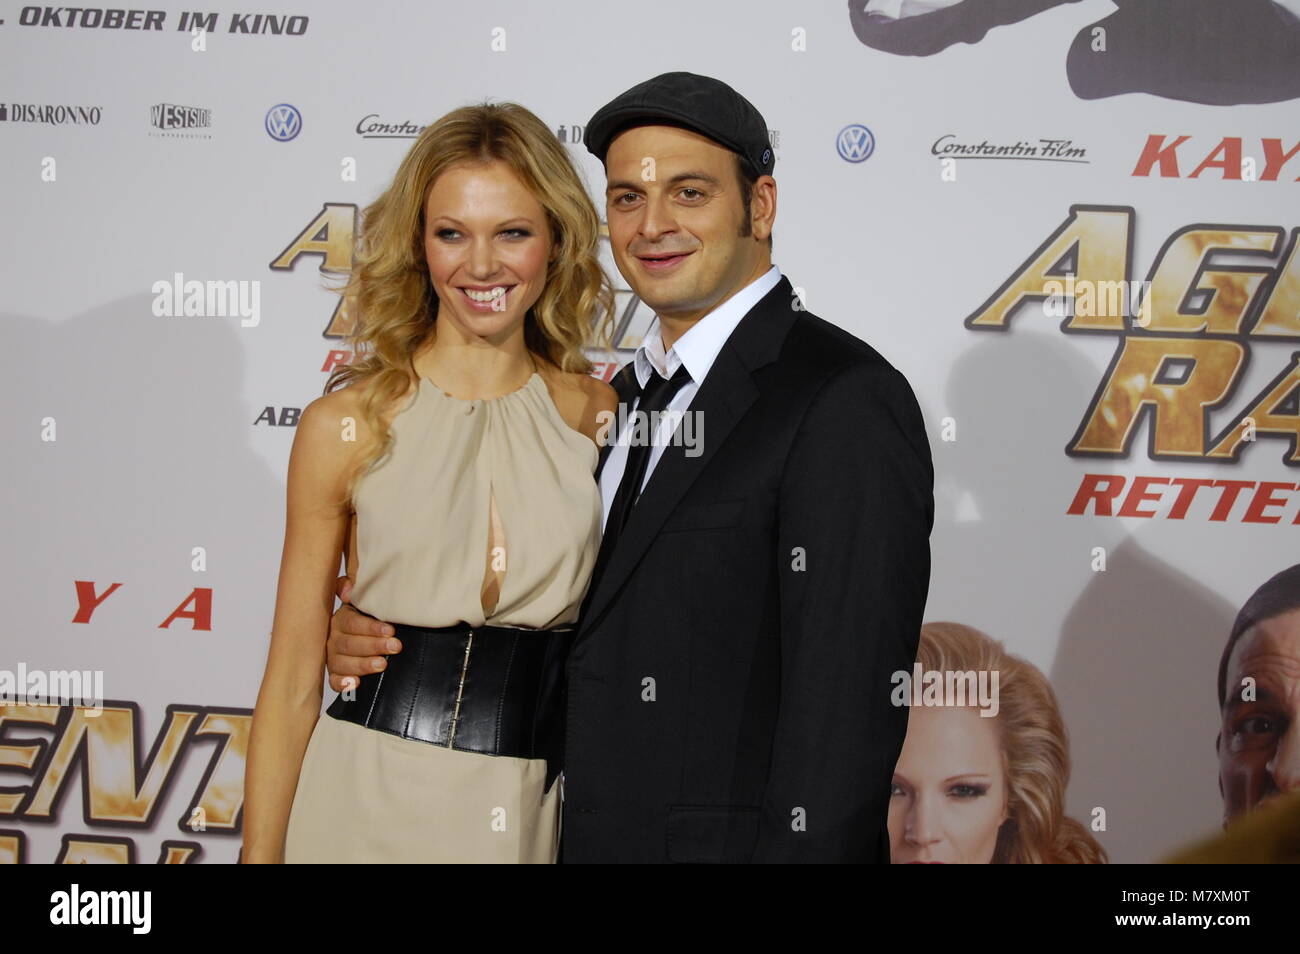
(696, 349)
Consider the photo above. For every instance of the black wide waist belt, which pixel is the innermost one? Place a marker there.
(495, 690)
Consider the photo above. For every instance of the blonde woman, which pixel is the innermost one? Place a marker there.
(453, 462)
(971, 789)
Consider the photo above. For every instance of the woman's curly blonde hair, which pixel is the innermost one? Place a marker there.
(389, 297)
(1035, 750)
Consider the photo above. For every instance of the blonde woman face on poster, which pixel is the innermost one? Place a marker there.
(487, 244)
(949, 792)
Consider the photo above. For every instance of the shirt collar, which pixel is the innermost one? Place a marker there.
(699, 347)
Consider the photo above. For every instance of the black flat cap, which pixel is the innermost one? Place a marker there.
(700, 103)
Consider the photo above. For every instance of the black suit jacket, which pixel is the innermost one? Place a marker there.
(729, 686)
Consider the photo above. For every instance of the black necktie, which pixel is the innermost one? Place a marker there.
(655, 396)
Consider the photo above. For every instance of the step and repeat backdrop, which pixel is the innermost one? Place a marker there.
(1071, 223)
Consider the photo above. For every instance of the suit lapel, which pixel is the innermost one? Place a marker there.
(727, 393)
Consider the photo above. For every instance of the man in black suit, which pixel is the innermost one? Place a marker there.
(729, 686)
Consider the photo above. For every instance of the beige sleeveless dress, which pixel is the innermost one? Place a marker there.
(483, 503)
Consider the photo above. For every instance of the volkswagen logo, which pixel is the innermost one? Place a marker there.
(855, 143)
(283, 122)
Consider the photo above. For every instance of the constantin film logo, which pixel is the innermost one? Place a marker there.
(950, 146)
(375, 126)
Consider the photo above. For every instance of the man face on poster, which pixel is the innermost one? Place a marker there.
(1259, 739)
